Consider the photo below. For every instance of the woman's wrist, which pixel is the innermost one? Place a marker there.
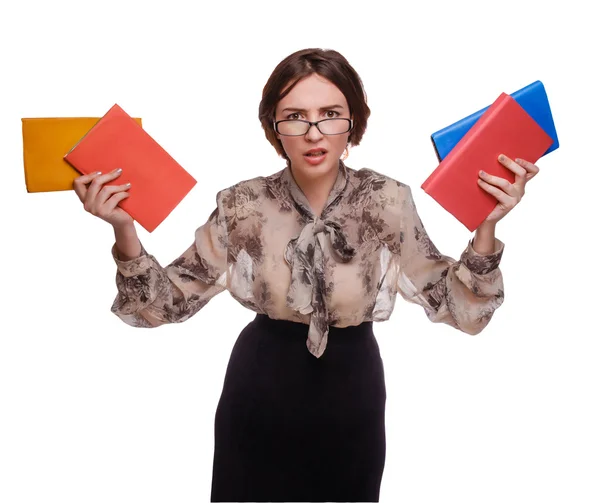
(484, 242)
(127, 242)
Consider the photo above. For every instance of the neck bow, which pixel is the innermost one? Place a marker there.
(305, 256)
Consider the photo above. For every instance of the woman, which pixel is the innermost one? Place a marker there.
(319, 251)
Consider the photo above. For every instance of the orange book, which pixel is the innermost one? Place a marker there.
(46, 140)
(158, 182)
(505, 128)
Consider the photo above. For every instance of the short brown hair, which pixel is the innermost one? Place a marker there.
(327, 63)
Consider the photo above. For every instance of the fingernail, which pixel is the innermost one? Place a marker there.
(98, 173)
(118, 170)
(482, 173)
(501, 158)
(518, 159)
(128, 184)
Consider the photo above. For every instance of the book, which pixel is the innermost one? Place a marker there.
(158, 182)
(534, 100)
(45, 142)
(504, 128)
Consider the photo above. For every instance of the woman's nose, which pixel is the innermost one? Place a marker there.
(313, 133)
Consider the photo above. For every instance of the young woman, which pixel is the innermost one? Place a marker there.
(319, 251)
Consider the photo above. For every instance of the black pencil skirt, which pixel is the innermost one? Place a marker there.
(292, 427)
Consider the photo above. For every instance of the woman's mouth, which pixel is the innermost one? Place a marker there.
(315, 156)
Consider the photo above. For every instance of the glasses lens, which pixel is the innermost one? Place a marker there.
(326, 126)
(334, 126)
(292, 128)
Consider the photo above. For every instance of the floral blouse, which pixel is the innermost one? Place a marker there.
(263, 244)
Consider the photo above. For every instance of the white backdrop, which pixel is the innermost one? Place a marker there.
(93, 410)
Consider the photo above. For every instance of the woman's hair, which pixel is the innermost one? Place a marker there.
(327, 63)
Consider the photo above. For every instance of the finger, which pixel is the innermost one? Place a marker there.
(113, 201)
(501, 183)
(502, 197)
(531, 168)
(107, 192)
(80, 184)
(96, 185)
(519, 171)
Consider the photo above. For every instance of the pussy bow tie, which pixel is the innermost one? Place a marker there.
(305, 256)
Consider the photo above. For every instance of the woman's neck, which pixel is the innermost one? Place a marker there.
(316, 190)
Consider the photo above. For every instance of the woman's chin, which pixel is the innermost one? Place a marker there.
(310, 168)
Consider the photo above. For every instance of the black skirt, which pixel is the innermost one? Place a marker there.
(292, 427)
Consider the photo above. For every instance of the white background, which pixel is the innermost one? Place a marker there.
(92, 410)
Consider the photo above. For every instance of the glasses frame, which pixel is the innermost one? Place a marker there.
(316, 124)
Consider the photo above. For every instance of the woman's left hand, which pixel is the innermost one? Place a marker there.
(508, 194)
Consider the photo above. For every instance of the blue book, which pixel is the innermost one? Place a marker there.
(532, 98)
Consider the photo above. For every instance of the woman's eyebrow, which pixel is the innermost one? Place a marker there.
(292, 109)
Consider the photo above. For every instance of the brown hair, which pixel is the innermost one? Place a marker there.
(327, 63)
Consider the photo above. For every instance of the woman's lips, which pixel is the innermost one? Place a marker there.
(315, 159)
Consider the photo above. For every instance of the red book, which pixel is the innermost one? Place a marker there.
(158, 182)
(505, 128)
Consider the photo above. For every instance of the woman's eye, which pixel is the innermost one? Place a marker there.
(294, 116)
(331, 114)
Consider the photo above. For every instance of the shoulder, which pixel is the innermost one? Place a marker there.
(379, 186)
(249, 203)
(371, 176)
(251, 190)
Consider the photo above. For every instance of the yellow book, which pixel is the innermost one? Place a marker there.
(46, 140)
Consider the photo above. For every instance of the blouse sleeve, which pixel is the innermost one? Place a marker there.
(463, 293)
(150, 295)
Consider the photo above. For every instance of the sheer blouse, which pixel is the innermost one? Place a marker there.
(263, 244)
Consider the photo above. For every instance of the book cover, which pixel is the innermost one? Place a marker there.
(504, 128)
(46, 140)
(534, 100)
(158, 181)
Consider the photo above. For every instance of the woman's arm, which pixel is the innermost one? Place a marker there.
(484, 241)
(461, 293)
(150, 294)
(127, 242)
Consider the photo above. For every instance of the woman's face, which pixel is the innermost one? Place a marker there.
(312, 99)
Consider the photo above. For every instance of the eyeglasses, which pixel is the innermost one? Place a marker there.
(290, 127)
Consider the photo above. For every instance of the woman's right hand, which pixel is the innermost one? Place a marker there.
(102, 200)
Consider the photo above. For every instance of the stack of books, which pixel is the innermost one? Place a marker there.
(518, 125)
(57, 150)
